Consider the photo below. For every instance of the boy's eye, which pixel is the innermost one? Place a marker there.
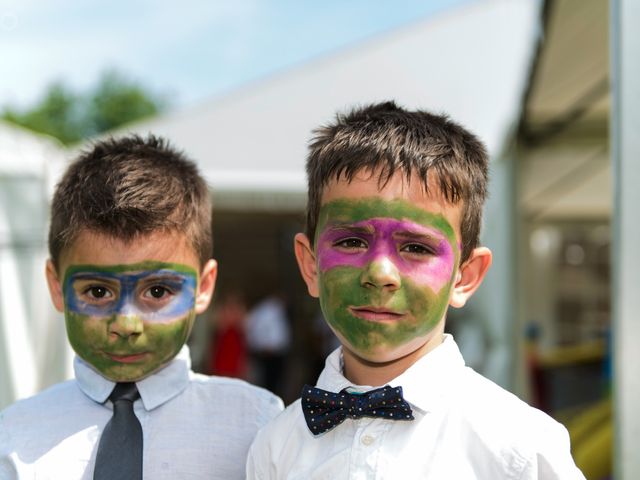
(157, 292)
(417, 249)
(351, 244)
(98, 292)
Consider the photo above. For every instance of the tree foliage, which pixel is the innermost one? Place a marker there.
(72, 117)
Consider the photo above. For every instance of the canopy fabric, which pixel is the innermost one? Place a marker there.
(33, 348)
(471, 62)
(564, 144)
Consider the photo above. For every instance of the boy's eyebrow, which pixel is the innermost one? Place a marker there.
(165, 276)
(415, 235)
(146, 266)
(162, 272)
(351, 228)
(408, 232)
(94, 275)
(421, 233)
(79, 279)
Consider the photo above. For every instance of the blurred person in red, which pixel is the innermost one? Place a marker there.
(228, 351)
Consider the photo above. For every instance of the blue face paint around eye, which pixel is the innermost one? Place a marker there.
(157, 295)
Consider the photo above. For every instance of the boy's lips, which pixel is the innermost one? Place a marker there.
(376, 314)
(127, 358)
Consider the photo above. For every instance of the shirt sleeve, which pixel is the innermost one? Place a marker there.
(273, 408)
(7, 466)
(551, 459)
(257, 458)
(7, 470)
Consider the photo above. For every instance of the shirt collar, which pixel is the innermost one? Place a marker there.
(424, 384)
(155, 389)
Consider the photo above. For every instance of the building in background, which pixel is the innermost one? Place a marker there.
(34, 352)
(555, 177)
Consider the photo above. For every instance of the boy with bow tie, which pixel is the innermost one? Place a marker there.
(392, 240)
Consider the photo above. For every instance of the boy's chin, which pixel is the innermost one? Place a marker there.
(125, 373)
(384, 354)
(379, 356)
(126, 378)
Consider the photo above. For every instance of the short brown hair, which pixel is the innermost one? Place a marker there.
(127, 186)
(388, 138)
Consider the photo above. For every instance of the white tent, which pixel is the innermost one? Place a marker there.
(470, 62)
(33, 348)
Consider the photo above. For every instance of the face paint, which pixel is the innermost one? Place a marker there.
(402, 241)
(385, 270)
(129, 320)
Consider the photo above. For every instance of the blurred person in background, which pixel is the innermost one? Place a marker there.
(268, 339)
(228, 346)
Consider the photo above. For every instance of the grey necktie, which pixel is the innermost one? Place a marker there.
(119, 455)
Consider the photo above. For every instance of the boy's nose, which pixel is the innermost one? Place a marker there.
(381, 273)
(126, 324)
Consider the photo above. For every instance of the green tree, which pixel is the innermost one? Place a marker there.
(71, 117)
(117, 101)
(57, 114)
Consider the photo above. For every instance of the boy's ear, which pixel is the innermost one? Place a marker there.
(55, 287)
(470, 276)
(306, 263)
(207, 285)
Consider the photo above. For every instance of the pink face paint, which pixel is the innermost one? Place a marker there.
(419, 252)
(386, 270)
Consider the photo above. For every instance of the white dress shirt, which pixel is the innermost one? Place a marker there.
(465, 427)
(194, 426)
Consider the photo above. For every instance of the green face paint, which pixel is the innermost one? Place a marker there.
(386, 269)
(126, 359)
(128, 321)
(421, 311)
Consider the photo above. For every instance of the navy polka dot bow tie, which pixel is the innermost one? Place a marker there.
(324, 410)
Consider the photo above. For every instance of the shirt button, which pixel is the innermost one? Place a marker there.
(367, 440)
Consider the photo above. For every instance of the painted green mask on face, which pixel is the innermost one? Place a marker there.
(128, 321)
(386, 269)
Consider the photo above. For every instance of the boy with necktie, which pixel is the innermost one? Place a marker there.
(130, 266)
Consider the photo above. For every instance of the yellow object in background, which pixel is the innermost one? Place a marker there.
(591, 433)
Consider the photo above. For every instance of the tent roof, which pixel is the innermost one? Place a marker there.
(25, 153)
(564, 127)
(251, 144)
(569, 88)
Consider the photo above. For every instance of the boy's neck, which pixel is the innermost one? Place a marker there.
(376, 374)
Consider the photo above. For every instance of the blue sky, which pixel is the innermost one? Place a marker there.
(189, 50)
